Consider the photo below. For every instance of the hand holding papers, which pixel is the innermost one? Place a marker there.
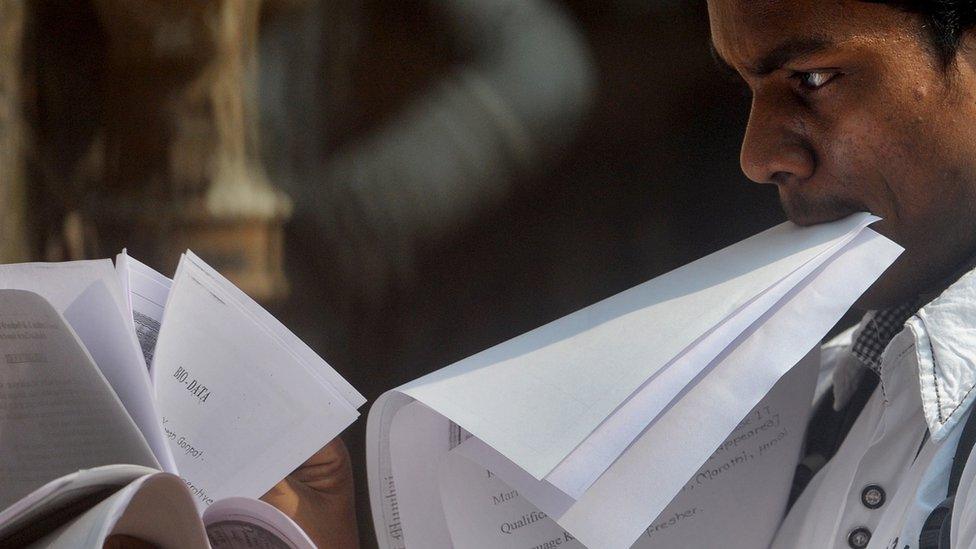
(244, 402)
(600, 418)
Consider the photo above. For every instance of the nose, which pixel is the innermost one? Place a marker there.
(775, 148)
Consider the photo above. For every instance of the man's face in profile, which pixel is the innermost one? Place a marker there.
(852, 110)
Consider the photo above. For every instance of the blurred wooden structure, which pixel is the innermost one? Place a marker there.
(145, 130)
(181, 166)
(13, 237)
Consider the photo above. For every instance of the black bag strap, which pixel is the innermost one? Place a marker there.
(935, 530)
(827, 430)
(966, 443)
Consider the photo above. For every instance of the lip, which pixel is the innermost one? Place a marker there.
(810, 219)
(802, 214)
(806, 208)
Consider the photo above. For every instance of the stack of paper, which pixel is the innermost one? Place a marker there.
(119, 402)
(241, 397)
(87, 293)
(663, 394)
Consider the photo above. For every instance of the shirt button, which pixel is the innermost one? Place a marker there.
(859, 538)
(873, 496)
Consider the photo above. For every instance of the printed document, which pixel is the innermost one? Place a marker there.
(601, 420)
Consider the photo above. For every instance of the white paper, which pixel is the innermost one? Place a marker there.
(738, 496)
(595, 454)
(146, 292)
(155, 508)
(288, 340)
(419, 438)
(384, 494)
(239, 409)
(756, 323)
(87, 293)
(483, 512)
(22, 518)
(641, 483)
(58, 414)
(545, 496)
(244, 523)
(561, 381)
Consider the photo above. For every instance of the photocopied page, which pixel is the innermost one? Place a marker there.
(754, 464)
(645, 478)
(57, 412)
(576, 371)
(483, 512)
(44, 509)
(240, 409)
(384, 495)
(595, 455)
(250, 523)
(155, 508)
(738, 497)
(302, 352)
(419, 438)
(760, 307)
(88, 294)
(146, 291)
(57, 500)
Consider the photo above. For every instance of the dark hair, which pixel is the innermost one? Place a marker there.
(946, 20)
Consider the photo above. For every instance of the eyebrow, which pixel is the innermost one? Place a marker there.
(780, 55)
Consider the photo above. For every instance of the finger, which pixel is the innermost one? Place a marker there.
(329, 470)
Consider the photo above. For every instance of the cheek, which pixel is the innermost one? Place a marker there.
(848, 158)
(873, 158)
(903, 170)
(918, 167)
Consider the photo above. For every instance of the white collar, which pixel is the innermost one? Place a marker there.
(945, 350)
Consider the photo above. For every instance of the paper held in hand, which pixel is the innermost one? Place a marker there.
(96, 442)
(619, 425)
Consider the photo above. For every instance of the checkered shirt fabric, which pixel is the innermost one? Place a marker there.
(881, 326)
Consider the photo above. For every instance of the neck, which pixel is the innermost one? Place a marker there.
(901, 284)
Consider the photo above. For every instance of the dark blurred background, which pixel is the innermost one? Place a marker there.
(402, 183)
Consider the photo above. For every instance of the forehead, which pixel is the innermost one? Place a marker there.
(745, 29)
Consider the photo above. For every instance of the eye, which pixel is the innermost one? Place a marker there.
(812, 81)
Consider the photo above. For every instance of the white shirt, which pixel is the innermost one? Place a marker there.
(928, 374)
